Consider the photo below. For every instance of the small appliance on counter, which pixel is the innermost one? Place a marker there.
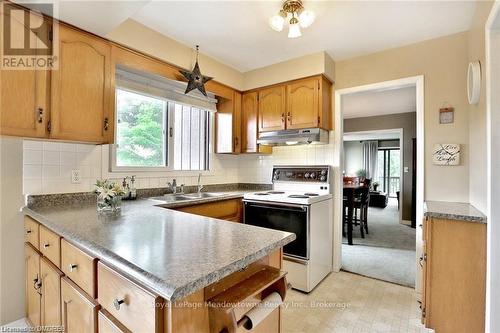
(300, 202)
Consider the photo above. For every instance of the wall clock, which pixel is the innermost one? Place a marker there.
(474, 82)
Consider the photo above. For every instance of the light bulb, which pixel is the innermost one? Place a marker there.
(278, 21)
(294, 30)
(306, 18)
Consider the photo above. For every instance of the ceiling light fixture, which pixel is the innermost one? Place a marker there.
(297, 15)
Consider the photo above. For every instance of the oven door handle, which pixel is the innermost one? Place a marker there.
(280, 207)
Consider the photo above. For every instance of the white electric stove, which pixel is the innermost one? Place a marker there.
(300, 202)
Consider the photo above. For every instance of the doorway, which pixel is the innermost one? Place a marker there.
(417, 83)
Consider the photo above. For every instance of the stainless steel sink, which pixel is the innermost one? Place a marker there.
(172, 198)
(204, 195)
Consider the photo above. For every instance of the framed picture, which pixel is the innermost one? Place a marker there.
(446, 115)
(446, 154)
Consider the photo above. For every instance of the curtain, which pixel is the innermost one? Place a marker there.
(370, 158)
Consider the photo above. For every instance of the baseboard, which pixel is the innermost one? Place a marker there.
(405, 222)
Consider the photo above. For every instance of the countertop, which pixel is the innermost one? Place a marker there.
(458, 211)
(172, 253)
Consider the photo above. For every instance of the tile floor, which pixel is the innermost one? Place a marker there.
(346, 302)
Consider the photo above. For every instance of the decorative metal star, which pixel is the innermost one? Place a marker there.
(196, 80)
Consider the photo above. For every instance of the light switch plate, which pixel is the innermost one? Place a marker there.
(76, 176)
(406, 169)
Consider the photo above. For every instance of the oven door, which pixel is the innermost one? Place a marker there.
(284, 217)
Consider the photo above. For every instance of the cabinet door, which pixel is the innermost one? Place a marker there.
(51, 293)
(81, 88)
(272, 109)
(23, 96)
(303, 104)
(79, 311)
(249, 113)
(228, 125)
(33, 297)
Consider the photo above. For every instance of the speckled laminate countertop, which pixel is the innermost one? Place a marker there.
(458, 211)
(172, 253)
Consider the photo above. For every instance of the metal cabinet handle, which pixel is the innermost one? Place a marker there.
(282, 117)
(106, 124)
(117, 303)
(73, 267)
(422, 258)
(39, 115)
(46, 245)
(236, 142)
(28, 231)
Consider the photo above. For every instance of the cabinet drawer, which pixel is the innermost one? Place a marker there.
(108, 324)
(134, 307)
(79, 267)
(31, 232)
(50, 245)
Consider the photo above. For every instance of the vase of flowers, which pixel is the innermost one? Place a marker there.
(109, 196)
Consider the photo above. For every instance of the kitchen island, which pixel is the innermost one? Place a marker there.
(136, 267)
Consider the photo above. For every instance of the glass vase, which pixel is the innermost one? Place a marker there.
(109, 204)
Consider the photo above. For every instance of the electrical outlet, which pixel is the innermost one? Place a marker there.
(76, 177)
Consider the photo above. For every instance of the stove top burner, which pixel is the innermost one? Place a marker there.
(298, 196)
(260, 193)
(276, 192)
(311, 194)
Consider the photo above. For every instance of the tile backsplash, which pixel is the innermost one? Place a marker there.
(47, 166)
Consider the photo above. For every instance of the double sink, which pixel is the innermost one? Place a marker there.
(187, 197)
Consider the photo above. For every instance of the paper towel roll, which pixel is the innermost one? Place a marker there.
(259, 312)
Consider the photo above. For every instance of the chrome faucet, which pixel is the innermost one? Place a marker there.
(172, 186)
(200, 187)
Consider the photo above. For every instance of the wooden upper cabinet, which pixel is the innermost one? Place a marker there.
(303, 104)
(249, 126)
(80, 88)
(228, 125)
(23, 96)
(249, 113)
(272, 109)
(33, 283)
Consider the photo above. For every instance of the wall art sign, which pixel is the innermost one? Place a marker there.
(446, 115)
(446, 154)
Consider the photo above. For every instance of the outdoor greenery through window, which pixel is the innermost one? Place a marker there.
(153, 132)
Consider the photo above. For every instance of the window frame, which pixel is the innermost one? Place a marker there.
(169, 138)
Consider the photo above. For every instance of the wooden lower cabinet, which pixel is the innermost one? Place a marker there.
(33, 294)
(79, 311)
(454, 276)
(51, 293)
(229, 210)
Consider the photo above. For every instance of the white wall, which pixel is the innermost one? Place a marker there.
(353, 157)
(11, 231)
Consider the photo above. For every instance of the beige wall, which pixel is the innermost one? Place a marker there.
(477, 113)
(144, 39)
(312, 64)
(11, 231)
(443, 62)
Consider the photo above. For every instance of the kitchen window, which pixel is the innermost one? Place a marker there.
(154, 132)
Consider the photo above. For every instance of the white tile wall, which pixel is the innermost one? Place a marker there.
(47, 169)
(258, 169)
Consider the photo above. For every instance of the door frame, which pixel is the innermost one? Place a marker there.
(418, 83)
(492, 41)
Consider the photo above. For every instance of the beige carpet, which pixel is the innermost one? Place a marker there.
(387, 252)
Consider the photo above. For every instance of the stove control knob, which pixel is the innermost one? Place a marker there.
(306, 175)
(323, 172)
(276, 177)
(322, 178)
(313, 175)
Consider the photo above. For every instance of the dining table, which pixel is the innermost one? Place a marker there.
(349, 193)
